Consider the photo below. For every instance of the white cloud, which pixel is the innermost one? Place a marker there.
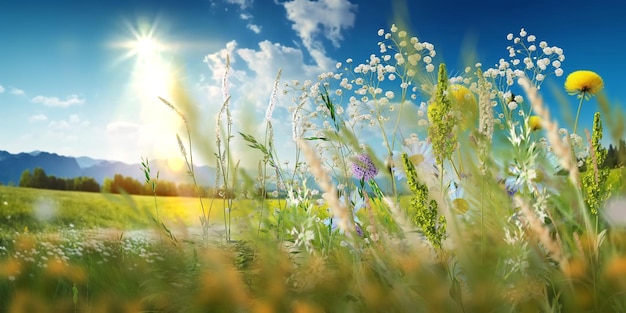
(73, 124)
(59, 125)
(56, 102)
(74, 119)
(38, 118)
(17, 91)
(255, 28)
(245, 16)
(328, 16)
(1, 89)
(243, 4)
(266, 61)
(122, 127)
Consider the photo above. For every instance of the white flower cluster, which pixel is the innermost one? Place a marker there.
(526, 58)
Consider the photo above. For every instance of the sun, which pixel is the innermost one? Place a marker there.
(145, 46)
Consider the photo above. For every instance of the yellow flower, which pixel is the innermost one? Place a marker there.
(583, 83)
(466, 103)
(534, 122)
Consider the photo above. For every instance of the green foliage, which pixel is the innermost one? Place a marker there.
(426, 214)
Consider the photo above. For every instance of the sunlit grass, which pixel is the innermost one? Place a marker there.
(41, 210)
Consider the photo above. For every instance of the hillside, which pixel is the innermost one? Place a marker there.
(12, 166)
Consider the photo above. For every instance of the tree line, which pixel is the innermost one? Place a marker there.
(39, 179)
(126, 184)
(118, 184)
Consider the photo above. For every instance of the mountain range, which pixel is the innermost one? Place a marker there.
(12, 166)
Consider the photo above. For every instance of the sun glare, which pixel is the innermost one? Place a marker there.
(151, 77)
(146, 46)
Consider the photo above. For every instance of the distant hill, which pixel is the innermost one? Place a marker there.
(12, 166)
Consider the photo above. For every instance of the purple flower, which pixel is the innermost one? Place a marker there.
(363, 167)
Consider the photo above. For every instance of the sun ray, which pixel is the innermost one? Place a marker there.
(151, 76)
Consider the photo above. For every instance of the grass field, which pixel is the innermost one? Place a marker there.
(41, 210)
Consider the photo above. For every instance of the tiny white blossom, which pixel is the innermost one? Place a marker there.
(381, 32)
(522, 33)
(394, 28)
(558, 72)
(509, 36)
(430, 68)
(531, 38)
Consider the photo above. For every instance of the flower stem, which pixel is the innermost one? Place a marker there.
(578, 113)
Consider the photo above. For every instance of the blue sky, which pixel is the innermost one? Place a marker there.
(71, 83)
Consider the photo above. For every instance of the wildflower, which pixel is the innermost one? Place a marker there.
(420, 153)
(442, 121)
(363, 167)
(466, 103)
(457, 197)
(584, 84)
(595, 177)
(303, 237)
(272, 103)
(534, 123)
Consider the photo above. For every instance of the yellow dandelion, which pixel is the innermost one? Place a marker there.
(584, 84)
(534, 122)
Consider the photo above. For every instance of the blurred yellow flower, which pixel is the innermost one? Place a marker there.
(534, 122)
(463, 95)
(466, 103)
(583, 83)
(460, 205)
